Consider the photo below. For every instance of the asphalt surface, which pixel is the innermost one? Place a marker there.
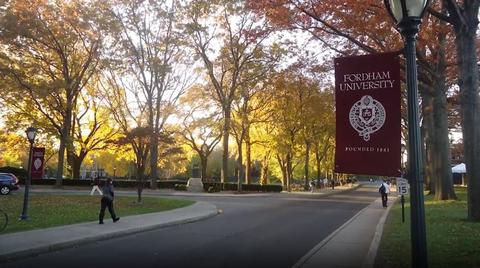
(262, 231)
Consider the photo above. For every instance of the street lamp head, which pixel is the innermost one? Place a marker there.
(401, 10)
(31, 133)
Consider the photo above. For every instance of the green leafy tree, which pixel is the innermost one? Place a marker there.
(51, 50)
(154, 61)
(463, 16)
(201, 125)
(240, 37)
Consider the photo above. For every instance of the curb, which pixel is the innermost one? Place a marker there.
(213, 211)
(369, 260)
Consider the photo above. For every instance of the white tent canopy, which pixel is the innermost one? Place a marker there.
(460, 168)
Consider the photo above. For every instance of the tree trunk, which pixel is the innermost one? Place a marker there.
(226, 132)
(307, 161)
(283, 168)
(318, 161)
(265, 169)
(203, 162)
(248, 156)
(153, 159)
(64, 139)
(76, 164)
(140, 175)
(289, 171)
(61, 159)
(429, 138)
(444, 184)
(240, 174)
(469, 100)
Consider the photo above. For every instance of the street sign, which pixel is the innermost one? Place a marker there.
(402, 186)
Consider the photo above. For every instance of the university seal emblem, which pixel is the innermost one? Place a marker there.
(367, 116)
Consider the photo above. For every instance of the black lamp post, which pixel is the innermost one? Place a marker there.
(31, 133)
(407, 14)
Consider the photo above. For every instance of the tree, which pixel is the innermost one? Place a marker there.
(90, 131)
(138, 138)
(130, 118)
(201, 130)
(291, 94)
(241, 39)
(322, 129)
(437, 76)
(51, 52)
(463, 16)
(250, 107)
(156, 59)
(348, 30)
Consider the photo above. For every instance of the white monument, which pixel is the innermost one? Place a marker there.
(195, 183)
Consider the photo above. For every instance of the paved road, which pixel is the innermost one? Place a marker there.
(273, 231)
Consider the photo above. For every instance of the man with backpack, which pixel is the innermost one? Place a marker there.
(384, 190)
(107, 202)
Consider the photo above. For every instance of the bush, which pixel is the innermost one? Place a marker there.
(169, 184)
(213, 189)
(217, 187)
(180, 187)
(20, 173)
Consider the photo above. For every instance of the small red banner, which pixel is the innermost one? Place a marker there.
(367, 95)
(38, 155)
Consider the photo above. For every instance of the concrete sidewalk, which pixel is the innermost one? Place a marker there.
(354, 244)
(30, 243)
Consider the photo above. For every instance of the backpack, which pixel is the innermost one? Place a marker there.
(382, 189)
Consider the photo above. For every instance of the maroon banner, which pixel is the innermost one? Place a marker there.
(367, 95)
(38, 155)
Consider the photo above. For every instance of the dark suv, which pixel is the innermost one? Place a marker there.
(8, 182)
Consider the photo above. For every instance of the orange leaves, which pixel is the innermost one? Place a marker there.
(363, 24)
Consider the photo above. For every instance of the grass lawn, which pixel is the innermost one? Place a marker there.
(46, 210)
(452, 241)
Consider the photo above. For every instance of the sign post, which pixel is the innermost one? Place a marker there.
(402, 190)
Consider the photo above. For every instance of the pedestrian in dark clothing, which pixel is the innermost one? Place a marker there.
(384, 190)
(107, 202)
(312, 186)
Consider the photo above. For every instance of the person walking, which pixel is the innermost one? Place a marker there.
(312, 186)
(95, 185)
(384, 190)
(107, 202)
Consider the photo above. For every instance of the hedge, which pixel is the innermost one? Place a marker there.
(165, 184)
(217, 186)
(20, 173)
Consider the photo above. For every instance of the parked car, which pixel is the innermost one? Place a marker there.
(8, 182)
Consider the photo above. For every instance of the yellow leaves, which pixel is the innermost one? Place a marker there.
(13, 149)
